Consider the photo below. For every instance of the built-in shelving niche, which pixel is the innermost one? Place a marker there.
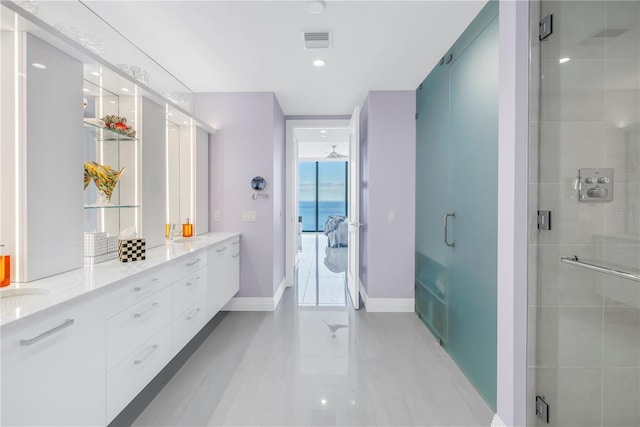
(116, 150)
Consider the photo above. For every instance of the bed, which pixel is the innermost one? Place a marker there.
(336, 230)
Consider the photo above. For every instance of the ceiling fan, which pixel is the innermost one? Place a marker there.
(335, 155)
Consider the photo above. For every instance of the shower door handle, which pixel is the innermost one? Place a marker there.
(446, 228)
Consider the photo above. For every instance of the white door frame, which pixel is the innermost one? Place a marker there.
(353, 253)
(291, 182)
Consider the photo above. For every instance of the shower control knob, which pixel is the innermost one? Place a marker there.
(591, 180)
(603, 180)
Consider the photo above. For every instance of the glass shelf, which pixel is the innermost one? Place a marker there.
(109, 135)
(110, 206)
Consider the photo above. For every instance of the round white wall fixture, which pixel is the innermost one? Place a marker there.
(315, 6)
(319, 62)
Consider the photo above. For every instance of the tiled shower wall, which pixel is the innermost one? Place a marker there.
(584, 327)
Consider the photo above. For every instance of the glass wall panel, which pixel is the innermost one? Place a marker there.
(332, 190)
(322, 191)
(584, 325)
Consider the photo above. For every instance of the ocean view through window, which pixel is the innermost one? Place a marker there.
(322, 191)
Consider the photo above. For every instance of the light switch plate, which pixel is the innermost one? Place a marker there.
(249, 216)
(392, 216)
(217, 216)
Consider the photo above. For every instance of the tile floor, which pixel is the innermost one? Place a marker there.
(317, 361)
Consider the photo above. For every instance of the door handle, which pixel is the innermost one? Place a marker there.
(446, 223)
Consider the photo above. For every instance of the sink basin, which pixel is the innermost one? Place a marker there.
(18, 292)
(186, 240)
(13, 302)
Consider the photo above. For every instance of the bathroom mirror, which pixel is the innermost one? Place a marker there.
(258, 183)
(173, 173)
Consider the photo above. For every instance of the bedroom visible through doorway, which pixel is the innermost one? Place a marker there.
(318, 200)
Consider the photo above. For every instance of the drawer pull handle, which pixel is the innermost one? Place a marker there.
(145, 312)
(192, 263)
(146, 356)
(65, 324)
(195, 279)
(193, 313)
(235, 243)
(141, 288)
(235, 256)
(222, 249)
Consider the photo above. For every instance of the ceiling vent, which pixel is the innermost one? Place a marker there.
(317, 39)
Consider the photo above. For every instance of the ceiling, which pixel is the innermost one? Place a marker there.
(314, 144)
(231, 46)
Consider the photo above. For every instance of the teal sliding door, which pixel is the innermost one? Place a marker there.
(474, 200)
(432, 179)
(456, 201)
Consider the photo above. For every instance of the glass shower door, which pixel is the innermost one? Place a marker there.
(585, 322)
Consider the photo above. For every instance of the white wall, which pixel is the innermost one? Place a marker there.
(512, 213)
(244, 147)
(388, 188)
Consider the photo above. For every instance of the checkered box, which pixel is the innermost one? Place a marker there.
(131, 250)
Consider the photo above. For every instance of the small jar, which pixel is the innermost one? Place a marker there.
(5, 270)
(187, 229)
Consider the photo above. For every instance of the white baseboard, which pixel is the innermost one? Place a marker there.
(387, 305)
(497, 422)
(256, 303)
(279, 292)
(363, 294)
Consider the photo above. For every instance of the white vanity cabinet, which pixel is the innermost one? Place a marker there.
(138, 337)
(83, 361)
(189, 297)
(224, 274)
(53, 369)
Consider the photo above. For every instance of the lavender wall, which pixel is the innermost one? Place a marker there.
(278, 192)
(242, 148)
(364, 193)
(389, 185)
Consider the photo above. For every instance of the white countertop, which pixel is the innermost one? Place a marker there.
(74, 284)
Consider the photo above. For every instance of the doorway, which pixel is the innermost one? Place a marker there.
(318, 163)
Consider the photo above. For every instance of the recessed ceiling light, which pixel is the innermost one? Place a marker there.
(323, 131)
(95, 73)
(185, 122)
(84, 89)
(319, 62)
(563, 60)
(315, 6)
(323, 401)
(112, 102)
(39, 66)
(124, 89)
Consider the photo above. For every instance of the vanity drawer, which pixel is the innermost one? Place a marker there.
(137, 324)
(188, 290)
(129, 377)
(187, 324)
(140, 289)
(188, 264)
